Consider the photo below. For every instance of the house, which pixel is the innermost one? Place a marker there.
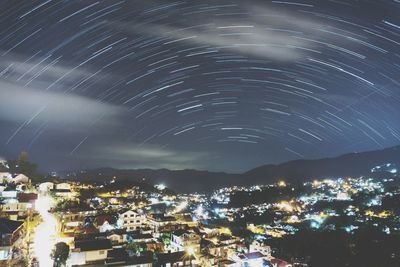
(9, 193)
(73, 220)
(188, 241)
(139, 237)
(90, 252)
(63, 190)
(175, 259)
(119, 257)
(11, 237)
(28, 198)
(132, 220)
(260, 246)
(105, 222)
(250, 259)
(64, 193)
(158, 222)
(15, 206)
(46, 187)
(117, 236)
(222, 246)
(21, 179)
(63, 186)
(5, 177)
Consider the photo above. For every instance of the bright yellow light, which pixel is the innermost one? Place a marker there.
(285, 206)
(282, 184)
(45, 232)
(190, 250)
(181, 207)
(384, 214)
(225, 230)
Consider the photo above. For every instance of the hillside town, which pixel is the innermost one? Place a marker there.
(58, 222)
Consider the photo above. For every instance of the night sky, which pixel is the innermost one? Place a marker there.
(217, 85)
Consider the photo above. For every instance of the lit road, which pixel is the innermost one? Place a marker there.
(45, 232)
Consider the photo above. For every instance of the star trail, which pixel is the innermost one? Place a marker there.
(218, 85)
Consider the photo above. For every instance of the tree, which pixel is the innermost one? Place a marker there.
(136, 248)
(60, 254)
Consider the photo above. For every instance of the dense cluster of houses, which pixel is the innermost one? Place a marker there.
(125, 235)
(132, 238)
(16, 202)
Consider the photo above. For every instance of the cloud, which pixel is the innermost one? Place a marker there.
(20, 104)
(41, 89)
(259, 31)
(50, 72)
(131, 155)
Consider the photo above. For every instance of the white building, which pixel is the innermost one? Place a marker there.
(132, 220)
(21, 179)
(46, 186)
(260, 246)
(249, 259)
(5, 177)
(63, 186)
(186, 241)
(92, 251)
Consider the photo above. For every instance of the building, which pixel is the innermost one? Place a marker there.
(90, 252)
(183, 240)
(132, 220)
(46, 187)
(11, 237)
(63, 186)
(21, 179)
(71, 221)
(181, 259)
(260, 246)
(5, 177)
(250, 259)
(159, 222)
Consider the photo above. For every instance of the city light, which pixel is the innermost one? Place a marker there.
(45, 233)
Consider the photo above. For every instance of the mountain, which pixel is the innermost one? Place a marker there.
(353, 164)
(178, 180)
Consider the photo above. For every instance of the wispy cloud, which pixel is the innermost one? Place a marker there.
(20, 104)
(131, 155)
(260, 31)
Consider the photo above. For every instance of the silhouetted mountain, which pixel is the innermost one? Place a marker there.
(178, 180)
(353, 164)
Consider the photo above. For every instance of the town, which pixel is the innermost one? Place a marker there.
(58, 222)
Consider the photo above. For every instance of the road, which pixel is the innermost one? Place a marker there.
(45, 232)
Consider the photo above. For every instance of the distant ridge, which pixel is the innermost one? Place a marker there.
(353, 164)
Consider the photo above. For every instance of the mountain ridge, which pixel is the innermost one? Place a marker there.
(295, 171)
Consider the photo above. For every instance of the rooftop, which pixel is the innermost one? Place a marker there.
(9, 226)
(90, 245)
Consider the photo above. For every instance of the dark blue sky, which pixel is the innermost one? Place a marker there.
(218, 85)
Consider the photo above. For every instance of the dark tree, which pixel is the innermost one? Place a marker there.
(60, 254)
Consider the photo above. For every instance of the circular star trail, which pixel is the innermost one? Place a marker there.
(219, 85)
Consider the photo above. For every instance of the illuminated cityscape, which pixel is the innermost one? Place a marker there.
(124, 223)
(212, 133)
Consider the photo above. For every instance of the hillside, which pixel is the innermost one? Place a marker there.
(353, 164)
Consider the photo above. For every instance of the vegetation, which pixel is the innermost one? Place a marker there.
(60, 254)
(136, 248)
(67, 204)
(367, 247)
(24, 167)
